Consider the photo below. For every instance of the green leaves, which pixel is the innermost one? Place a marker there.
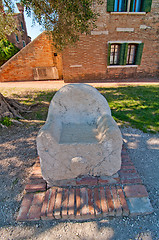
(7, 50)
(6, 121)
(7, 21)
(7, 25)
(65, 20)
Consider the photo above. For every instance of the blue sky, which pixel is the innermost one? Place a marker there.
(33, 31)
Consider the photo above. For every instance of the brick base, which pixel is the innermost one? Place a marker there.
(87, 197)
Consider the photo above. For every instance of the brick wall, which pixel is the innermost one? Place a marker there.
(22, 34)
(88, 60)
(38, 53)
(23, 38)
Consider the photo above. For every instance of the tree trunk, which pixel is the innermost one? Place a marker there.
(11, 108)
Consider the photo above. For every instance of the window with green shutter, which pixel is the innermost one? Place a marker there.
(108, 54)
(22, 26)
(110, 5)
(17, 39)
(139, 53)
(131, 54)
(146, 6)
(114, 54)
(129, 5)
(124, 53)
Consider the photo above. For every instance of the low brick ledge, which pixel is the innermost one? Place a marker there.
(87, 197)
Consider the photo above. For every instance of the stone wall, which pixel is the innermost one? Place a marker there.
(88, 60)
(38, 53)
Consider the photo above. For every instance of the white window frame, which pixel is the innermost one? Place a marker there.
(133, 42)
(123, 66)
(128, 7)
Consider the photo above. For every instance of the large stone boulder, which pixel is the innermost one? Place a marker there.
(80, 137)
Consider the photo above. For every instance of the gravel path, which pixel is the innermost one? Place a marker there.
(17, 155)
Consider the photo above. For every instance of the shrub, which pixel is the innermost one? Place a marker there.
(6, 121)
(7, 50)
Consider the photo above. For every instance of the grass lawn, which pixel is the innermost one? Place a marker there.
(136, 106)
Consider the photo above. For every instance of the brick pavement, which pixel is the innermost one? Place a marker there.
(87, 197)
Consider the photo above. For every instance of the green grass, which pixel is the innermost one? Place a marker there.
(135, 106)
(6, 121)
(42, 99)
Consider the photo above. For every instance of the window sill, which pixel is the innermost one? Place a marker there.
(122, 66)
(128, 13)
(120, 42)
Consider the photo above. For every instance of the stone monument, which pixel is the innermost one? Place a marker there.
(80, 137)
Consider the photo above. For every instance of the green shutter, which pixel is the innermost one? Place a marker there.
(121, 54)
(146, 6)
(139, 54)
(131, 5)
(124, 7)
(110, 5)
(125, 53)
(108, 54)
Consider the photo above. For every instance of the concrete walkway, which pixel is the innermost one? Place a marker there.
(41, 85)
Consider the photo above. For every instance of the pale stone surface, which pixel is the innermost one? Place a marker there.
(79, 137)
(75, 66)
(99, 32)
(43, 73)
(144, 27)
(139, 206)
(125, 29)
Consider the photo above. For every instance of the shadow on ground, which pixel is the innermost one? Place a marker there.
(18, 153)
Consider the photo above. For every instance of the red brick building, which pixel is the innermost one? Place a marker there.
(21, 39)
(124, 45)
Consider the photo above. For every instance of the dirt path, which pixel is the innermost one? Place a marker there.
(58, 84)
(17, 154)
